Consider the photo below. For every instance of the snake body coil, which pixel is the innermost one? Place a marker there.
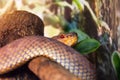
(24, 49)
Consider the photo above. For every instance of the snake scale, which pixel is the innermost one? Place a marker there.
(22, 50)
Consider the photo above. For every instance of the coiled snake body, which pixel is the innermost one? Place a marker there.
(22, 50)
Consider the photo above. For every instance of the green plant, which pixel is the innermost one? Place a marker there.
(116, 62)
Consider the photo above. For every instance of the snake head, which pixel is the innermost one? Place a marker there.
(69, 39)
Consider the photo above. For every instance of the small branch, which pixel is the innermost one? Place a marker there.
(46, 69)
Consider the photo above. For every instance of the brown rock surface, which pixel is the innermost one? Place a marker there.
(19, 24)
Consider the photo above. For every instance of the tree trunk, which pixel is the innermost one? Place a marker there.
(106, 11)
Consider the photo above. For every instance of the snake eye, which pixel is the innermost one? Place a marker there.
(62, 36)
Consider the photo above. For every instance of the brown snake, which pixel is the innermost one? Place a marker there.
(22, 50)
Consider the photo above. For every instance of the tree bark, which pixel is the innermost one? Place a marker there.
(106, 11)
